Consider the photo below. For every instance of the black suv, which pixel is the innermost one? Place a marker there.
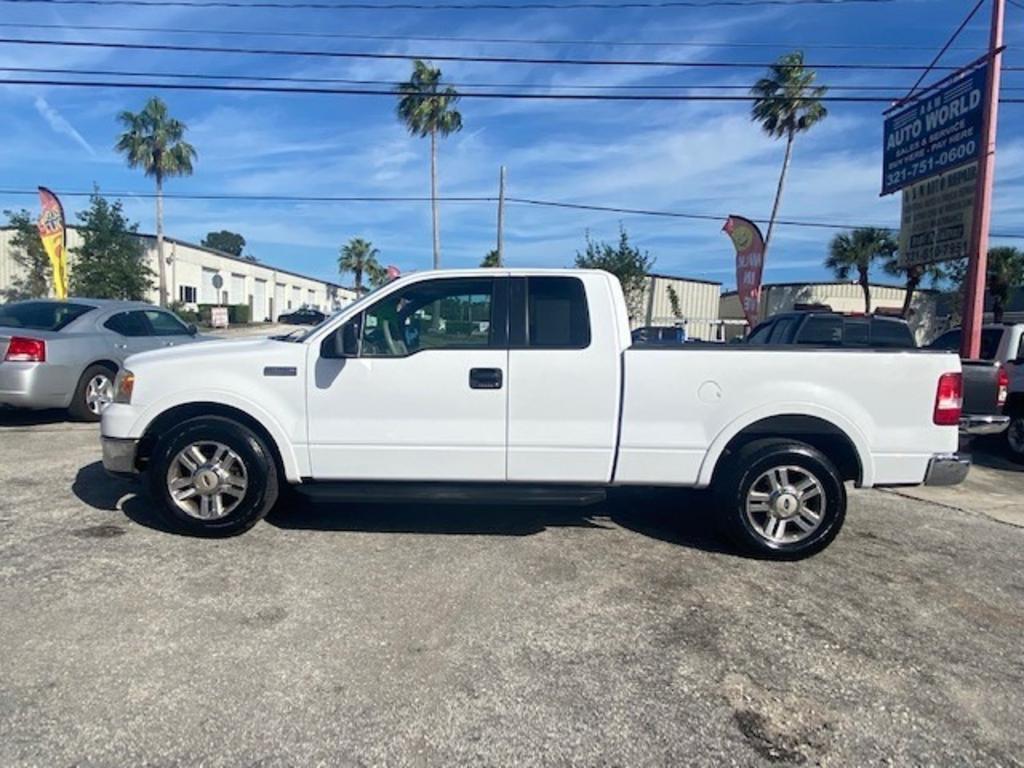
(834, 329)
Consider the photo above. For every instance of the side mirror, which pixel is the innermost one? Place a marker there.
(343, 343)
(192, 330)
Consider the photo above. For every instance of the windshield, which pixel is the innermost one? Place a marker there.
(41, 315)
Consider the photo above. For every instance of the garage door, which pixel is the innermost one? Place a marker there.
(259, 300)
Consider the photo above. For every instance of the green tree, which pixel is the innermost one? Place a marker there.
(427, 108)
(913, 275)
(28, 253)
(491, 259)
(155, 142)
(359, 257)
(111, 261)
(673, 300)
(855, 251)
(1005, 272)
(226, 241)
(786, 102)
(623, 260)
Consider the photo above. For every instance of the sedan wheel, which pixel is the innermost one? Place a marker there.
(99, 393)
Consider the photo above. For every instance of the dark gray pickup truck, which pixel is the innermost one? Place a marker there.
(991, 383)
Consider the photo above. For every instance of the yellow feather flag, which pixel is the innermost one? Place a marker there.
(51, 231)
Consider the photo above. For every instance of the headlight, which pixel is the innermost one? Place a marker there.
(123, 386)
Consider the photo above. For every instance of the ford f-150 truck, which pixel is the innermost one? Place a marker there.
(523, 385)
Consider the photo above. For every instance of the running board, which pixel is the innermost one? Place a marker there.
(452, 493)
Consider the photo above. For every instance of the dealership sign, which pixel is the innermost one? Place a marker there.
(938, 132)
(937, 218)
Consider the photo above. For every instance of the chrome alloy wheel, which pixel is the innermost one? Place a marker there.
(207, 480)
(99, 393)
(786, 504)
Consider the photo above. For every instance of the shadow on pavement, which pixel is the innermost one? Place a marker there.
(991, 454)
(20, 417)
(678, 517)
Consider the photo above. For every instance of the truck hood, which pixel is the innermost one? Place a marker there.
(212, 351)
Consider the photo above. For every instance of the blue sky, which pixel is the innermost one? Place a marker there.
(696, 157)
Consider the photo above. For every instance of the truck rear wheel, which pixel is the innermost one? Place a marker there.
(212, 476)
(1014, 435)
(781, 499)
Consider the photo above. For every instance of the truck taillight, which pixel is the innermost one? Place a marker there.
(949, 400)
(1002, 387)
(23, 350)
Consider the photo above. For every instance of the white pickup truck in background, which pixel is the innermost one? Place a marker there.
(522, 385)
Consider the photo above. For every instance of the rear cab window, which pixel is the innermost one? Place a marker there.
(822, 330)
(891, 334)
(549, 313)
(42, 315)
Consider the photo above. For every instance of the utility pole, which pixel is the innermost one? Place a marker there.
(501, 217)
(977, 256)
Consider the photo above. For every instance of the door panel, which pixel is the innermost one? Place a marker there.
(406, 407)
(563, 384)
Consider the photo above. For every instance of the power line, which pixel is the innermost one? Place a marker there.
(577, 5)
(392, 83)
(535, 202)
(488, 40)
(324, 91)
(949, 42)
(884, 67)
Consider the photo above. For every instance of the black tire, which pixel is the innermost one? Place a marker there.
(260, 472)
(749, 466)
(1013, 437)
(80, 409)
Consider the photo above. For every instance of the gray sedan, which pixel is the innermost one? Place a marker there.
(66, 354)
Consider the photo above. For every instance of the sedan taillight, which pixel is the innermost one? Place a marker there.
(24, 350)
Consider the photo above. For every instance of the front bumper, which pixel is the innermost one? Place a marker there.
(119, 456)
(947, 469)
(983, 425)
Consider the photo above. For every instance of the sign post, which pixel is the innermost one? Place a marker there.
(977, 259)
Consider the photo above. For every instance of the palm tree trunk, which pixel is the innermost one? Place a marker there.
(778, 192)
(866, 287)
(908, 298)
(359, 280)
(433, 199)
(161, 264)
(998, 301)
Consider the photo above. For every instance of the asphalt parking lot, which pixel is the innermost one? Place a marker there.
(626, 634)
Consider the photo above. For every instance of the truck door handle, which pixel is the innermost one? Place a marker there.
(485, 378)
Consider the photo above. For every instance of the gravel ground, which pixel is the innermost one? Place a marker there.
(625, 634)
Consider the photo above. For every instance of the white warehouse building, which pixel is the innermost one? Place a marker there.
(200, 275)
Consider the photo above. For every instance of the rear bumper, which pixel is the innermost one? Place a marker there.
(119, 456)
(983, 425)
(947, 469)
(33, 385)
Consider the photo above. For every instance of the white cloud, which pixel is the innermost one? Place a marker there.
(60, 124)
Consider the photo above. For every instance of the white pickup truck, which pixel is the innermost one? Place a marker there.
(523, 385)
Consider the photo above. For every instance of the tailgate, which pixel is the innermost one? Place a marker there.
(981, 385)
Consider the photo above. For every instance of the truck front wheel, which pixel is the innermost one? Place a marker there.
(781, 499)
(212, 476)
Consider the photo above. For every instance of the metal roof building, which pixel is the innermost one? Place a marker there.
(200, 275)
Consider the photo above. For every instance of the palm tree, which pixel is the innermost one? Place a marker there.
(914, 275)
(359, 257)
(427, 109)
(786, 103)
(856, 250)
(155, 142)
(491, 259)
(1004, 273)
